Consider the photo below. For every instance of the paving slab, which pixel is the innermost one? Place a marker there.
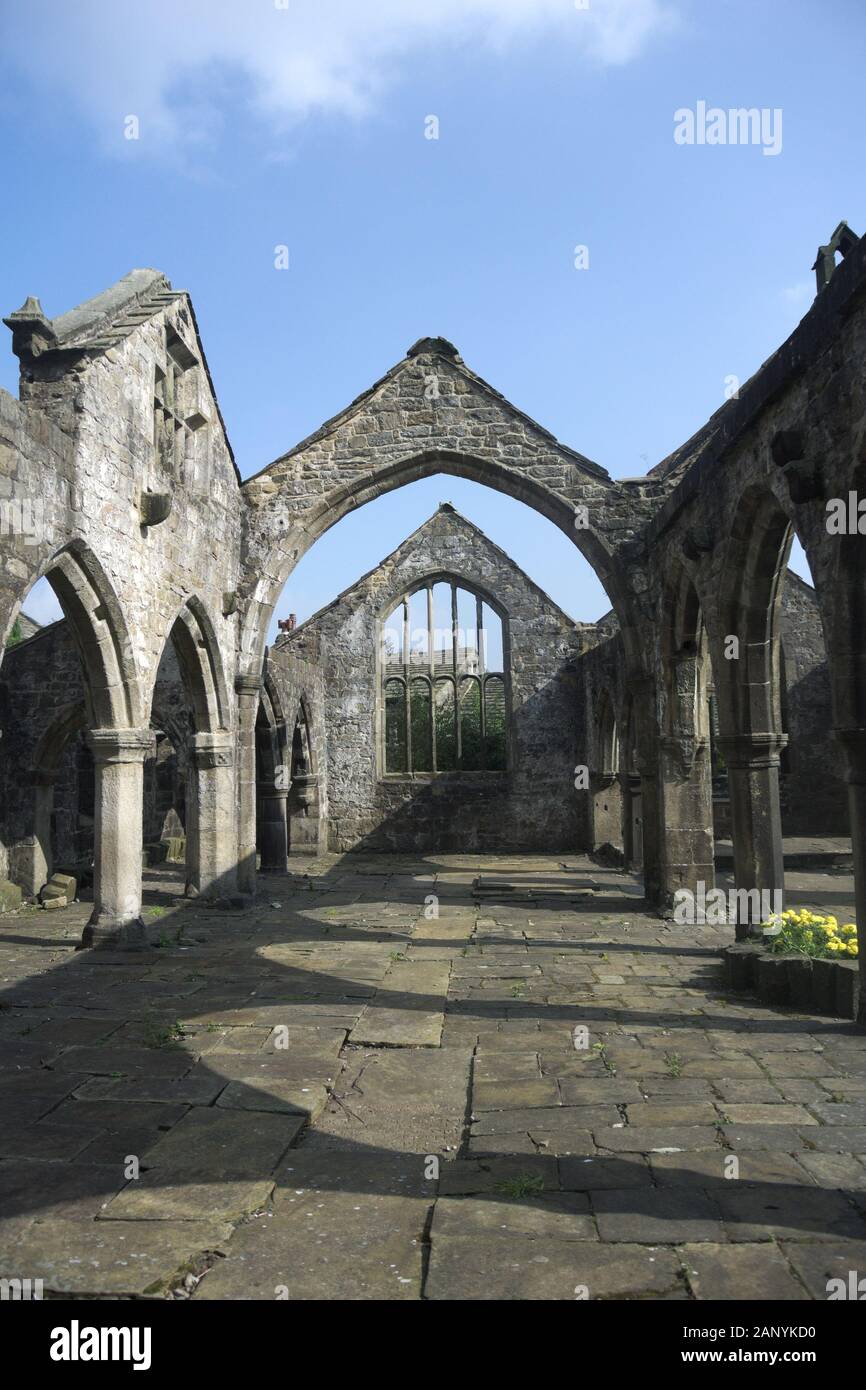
(656, 1138)
(473, 1268)
(712, 1168)
(111, 1259)
(745, 1273)
(338, 1247)
(278, 1097)
(549, 1119)
(240, 1142)
(819, 1263)
(661, 1216)
(188, 1195)
(788, 1213)
(562, 1216)
(409, 1008)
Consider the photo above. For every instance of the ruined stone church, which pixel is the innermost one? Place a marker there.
(444, 701)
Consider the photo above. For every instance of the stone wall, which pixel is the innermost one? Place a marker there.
(532, 806)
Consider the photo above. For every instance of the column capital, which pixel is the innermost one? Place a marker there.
(248, 684)
(120, 745)
(271, 793)
(599, 780)
(213, 749)
(755, 750)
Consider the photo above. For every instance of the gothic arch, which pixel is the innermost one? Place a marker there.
(289, 536)
(198, 653)
(753, 576)
(99, 630)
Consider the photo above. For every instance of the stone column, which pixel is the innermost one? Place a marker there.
(686, 791)
(249, 691)
(853, 742)
(118, 758)
(650, 829)
(756, 822)
(273, 831)
(211, 861)
(642, 689)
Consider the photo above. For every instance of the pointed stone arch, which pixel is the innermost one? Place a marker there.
(100, 632)
(211, 798)
(198, 653)
(287, 536)
(747, 675)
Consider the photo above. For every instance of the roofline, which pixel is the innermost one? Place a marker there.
(437, 347)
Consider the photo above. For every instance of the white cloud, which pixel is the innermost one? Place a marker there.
(168, 61)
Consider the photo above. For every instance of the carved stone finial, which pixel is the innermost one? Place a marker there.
(842, 241)
(32, 332)
(440, 347)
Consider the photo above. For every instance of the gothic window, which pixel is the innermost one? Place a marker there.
(442, 684)
(181, 439)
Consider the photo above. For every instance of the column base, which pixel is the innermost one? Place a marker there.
(125, 936)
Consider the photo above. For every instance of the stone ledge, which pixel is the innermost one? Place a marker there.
(819, 986)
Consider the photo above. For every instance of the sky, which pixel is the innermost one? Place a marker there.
(199, 138)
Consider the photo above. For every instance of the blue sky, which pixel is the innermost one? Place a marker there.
(304, 125)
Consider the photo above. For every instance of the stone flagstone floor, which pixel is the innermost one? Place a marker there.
(334, 1094)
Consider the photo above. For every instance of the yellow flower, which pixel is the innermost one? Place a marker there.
(849, 929)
